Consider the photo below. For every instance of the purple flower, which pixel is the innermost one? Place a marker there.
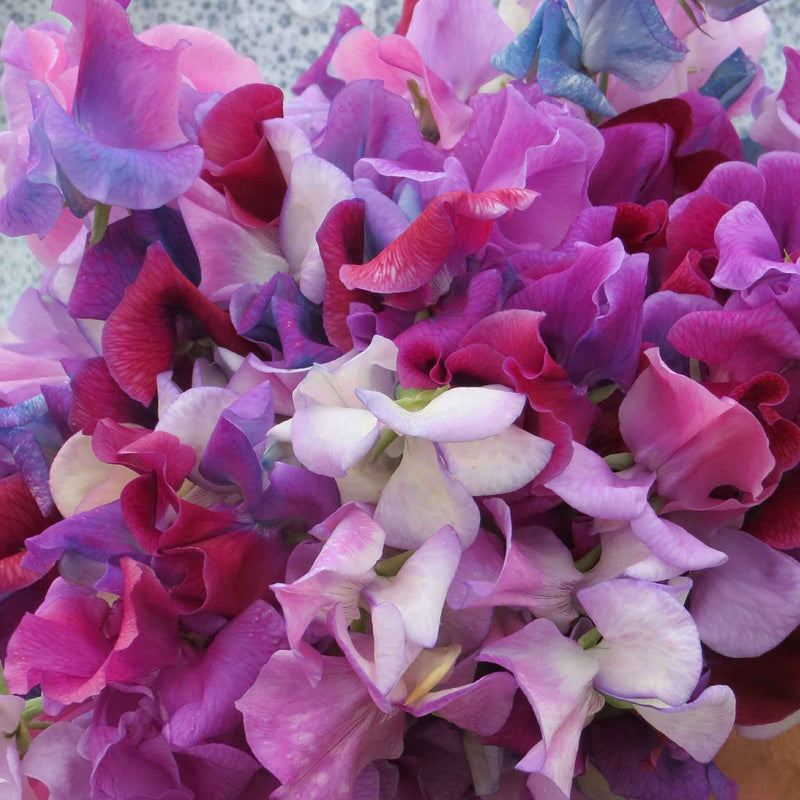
(138, 160)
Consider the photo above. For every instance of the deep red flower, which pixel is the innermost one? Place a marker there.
(159, 311)
(239, 160)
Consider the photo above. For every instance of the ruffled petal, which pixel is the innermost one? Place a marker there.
(456, 223)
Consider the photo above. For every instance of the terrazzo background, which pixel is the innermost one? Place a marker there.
(284, 37)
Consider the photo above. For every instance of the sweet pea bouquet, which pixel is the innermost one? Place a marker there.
(432, 433)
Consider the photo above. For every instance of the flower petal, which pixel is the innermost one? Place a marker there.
(421, 497)
(650, 646)
(749, 604)
(498, 464)
(700, 727)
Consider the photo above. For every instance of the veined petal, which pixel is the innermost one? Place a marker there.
(457, 222)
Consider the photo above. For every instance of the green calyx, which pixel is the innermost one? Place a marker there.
(597, 396)
(389, 567)
(417, 399)
(615, 702)
(590, 639)
(102, 213)
(619, 461)
(585, 563)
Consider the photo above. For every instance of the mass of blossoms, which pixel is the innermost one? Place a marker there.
(430, 434)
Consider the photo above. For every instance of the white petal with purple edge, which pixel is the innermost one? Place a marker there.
(650, 646)
(419, 588)
(589, 486)
(192, 418)
(555, 674)
(502, 463)
(421, 497)
(700, 727)
(354, 546)
(230, 255)
(749, 604)
(458, 415)
(672, 543)
(314, 189)
(336, 382)
(329, 439)
(287, 142)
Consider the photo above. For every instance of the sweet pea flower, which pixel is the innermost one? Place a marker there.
(571, 42)
(434, 452)
(720, 487)
(745, 219)
(777, 115)
(709, 47)
(553, 153)
(444, 55)
(566, 683)
(152, 162)
(129, 639)
(336, 729)
(404, 609)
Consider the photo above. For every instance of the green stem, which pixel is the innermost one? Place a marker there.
(619, 461)
(99, 223)
(590, 639)
(585, 563)
(389, 567)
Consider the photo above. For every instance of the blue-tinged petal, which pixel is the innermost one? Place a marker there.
(29, 207)
(628, 38)
(129, 178)
(729, 81)
(559, 70)
(730, 9)
(517, 57)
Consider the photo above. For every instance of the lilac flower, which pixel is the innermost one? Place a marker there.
(151, 161)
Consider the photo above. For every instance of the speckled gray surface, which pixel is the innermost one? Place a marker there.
(283, 36)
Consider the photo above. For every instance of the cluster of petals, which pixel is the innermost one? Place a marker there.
(434, 433)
